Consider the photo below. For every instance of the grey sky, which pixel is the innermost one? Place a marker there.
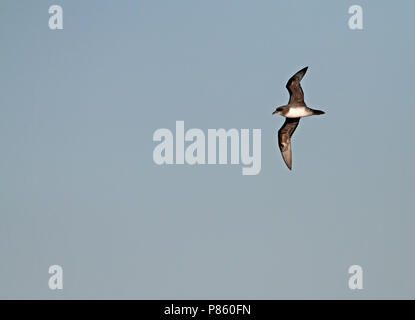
(78, 186)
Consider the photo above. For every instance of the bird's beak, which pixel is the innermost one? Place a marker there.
(274, 112)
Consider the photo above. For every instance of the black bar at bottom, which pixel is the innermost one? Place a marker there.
(206, 309)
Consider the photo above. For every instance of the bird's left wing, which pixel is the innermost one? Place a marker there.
(284, 139)
(294, 87)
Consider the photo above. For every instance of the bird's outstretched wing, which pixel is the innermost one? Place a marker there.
(294, 87)
(284, 139)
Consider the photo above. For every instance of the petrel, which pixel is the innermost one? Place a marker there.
(293, 111)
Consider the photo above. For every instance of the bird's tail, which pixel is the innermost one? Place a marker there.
(317, 112)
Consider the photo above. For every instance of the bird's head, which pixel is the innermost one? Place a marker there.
(278, 110)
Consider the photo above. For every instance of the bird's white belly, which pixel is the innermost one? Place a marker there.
(298, 112)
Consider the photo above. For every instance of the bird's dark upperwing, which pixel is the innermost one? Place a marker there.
(284, 139)
(294, 87)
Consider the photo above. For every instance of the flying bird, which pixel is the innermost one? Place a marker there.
(293, 111)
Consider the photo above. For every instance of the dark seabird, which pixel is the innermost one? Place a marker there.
(293, 111)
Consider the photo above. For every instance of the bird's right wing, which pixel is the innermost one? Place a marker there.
(294, 87)
(284, 139)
